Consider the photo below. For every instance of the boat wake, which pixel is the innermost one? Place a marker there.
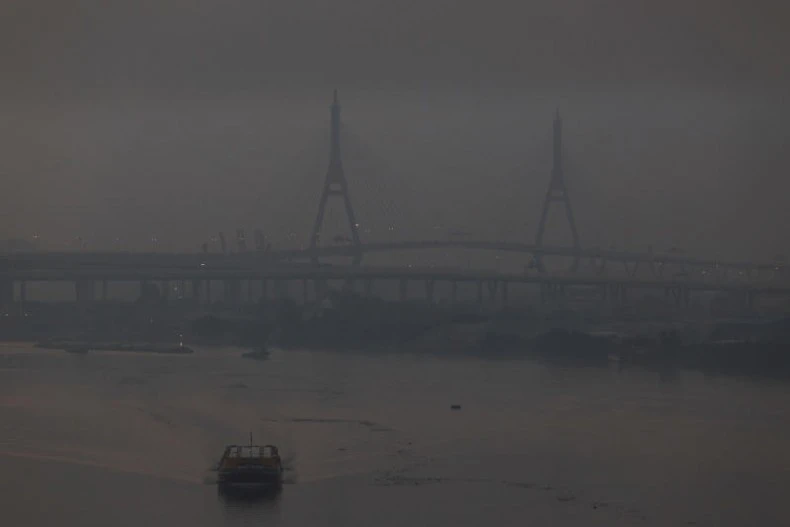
(96, 464)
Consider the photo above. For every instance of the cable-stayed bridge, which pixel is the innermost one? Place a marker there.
(588, 266)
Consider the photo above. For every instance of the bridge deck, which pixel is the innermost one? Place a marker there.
(375, 273)
(127, 259)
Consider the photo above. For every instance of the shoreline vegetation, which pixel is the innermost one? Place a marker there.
(752, 347)
(73, 346)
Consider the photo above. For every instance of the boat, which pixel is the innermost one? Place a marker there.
(250, 468)
(260, 354)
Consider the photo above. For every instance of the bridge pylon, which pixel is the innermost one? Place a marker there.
(558, 193)
(335, 185)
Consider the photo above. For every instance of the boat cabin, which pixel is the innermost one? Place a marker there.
(237, 455)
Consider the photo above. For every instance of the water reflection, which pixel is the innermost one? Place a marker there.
(245, 504)
(627, 443)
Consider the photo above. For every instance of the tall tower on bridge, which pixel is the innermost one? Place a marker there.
(335, 185)
(557, 193)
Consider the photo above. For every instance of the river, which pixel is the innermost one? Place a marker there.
(128, 439)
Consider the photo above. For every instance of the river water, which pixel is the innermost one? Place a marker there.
(129, 440)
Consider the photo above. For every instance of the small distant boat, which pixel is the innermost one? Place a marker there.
(260, 354)
(250, 468)
(263, 352)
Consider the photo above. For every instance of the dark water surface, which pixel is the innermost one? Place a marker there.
(129, 439)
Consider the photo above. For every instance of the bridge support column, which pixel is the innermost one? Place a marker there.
(320, 288)
(681, 295)
(264, 289)
(150, 292)
(545, 290)
(367, 285)
(196, 291)
(281, 289)
(620, 294)
(614, 293)
(429, 288)
(750, 298)
(85, 292)
(631, 271)
(657, 269)
(403, 289)
(598, 265)
(165, 288)
(671, 292)
(6, 292)
(23, 292)
(493, 286)
(232, 292)
(104, 288)
(550, 292)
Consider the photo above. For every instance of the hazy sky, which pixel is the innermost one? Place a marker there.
(181, 118)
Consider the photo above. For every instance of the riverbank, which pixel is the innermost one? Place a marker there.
(131, 347)
(351, 323)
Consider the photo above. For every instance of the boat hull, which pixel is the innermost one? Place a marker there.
(249, 479)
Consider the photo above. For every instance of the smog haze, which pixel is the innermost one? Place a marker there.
(180, 119)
